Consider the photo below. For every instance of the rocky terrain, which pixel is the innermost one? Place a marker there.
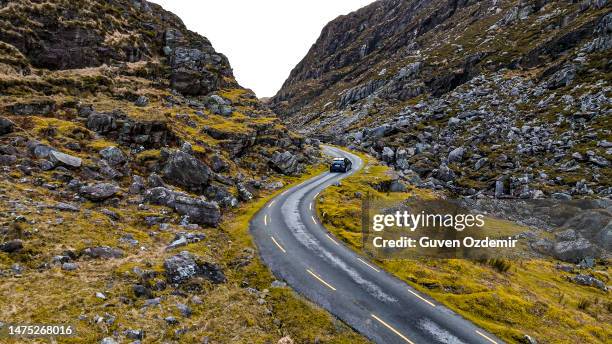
(130, 160)
(506, 99)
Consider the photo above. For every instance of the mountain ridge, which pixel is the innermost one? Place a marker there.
(416, 61)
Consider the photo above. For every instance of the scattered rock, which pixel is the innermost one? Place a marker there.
(589, 281)
(285, 340)
(285, 162)
(113, 155)
(59, 158)
(6, 126)
(530, 340)
(171, 320)
(102, 252)
(137, 185)
(11, 246)
(142, 291)
(101, 123)
(563, 77)
(141, 101)
(39, 150)
(134, 334)
(68, 266)
(184, 309)
(99, 192)
(35, 107)
(155, 180)
(278, 284)
(445, 174)
(184, 266)
(456, 155)
(218, 164)
(185, 170)
(243, 193)
(388, 155)
(7, 160)
(67, 207)
(575, 250)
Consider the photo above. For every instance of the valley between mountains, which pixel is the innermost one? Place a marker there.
(147, 197)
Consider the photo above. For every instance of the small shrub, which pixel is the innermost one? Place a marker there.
(583, 304)
(501, 265)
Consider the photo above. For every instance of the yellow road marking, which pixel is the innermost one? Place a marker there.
(277, 244)
(269, 205)
(313, 220)
(392, 329)
(366, 263)
(420, 297)
(321, 280)
(487, 338)
(330, 238)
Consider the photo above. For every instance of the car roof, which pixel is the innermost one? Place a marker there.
(338, 159)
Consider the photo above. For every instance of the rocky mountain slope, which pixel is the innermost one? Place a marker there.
(130, 160)
(494, 98)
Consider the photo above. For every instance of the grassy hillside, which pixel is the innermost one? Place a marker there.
(512, 299)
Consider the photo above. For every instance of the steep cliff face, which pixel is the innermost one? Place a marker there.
(516, 86)
(77, 34)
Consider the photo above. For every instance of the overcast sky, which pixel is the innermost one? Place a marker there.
(263, 39)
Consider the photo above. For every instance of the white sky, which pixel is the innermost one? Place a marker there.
(263, 39)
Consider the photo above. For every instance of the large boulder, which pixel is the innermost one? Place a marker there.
(101, 123)
(285, 162)
(456, 155)
(98, 192)
(388, 155)
(563, 77)
(589, 281)
(59, 158)
(221, 195)
(594, 225)
(184, 266)
(38, 150)
(11, 246)
(185, 170)
(575, 250)
(113, 155)
(161, 196)
(444, 173)
(218, 164)
(104, 252)
(6, 126)
(35, 107)
(198, 210)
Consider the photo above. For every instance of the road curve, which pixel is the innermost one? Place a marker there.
(299, 250)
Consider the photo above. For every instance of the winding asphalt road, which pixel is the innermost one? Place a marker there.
(299, 250)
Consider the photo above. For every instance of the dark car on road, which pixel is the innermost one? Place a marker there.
(340, 165)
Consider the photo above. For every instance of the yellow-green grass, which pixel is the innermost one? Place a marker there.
(229, 312)
(532, 297)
